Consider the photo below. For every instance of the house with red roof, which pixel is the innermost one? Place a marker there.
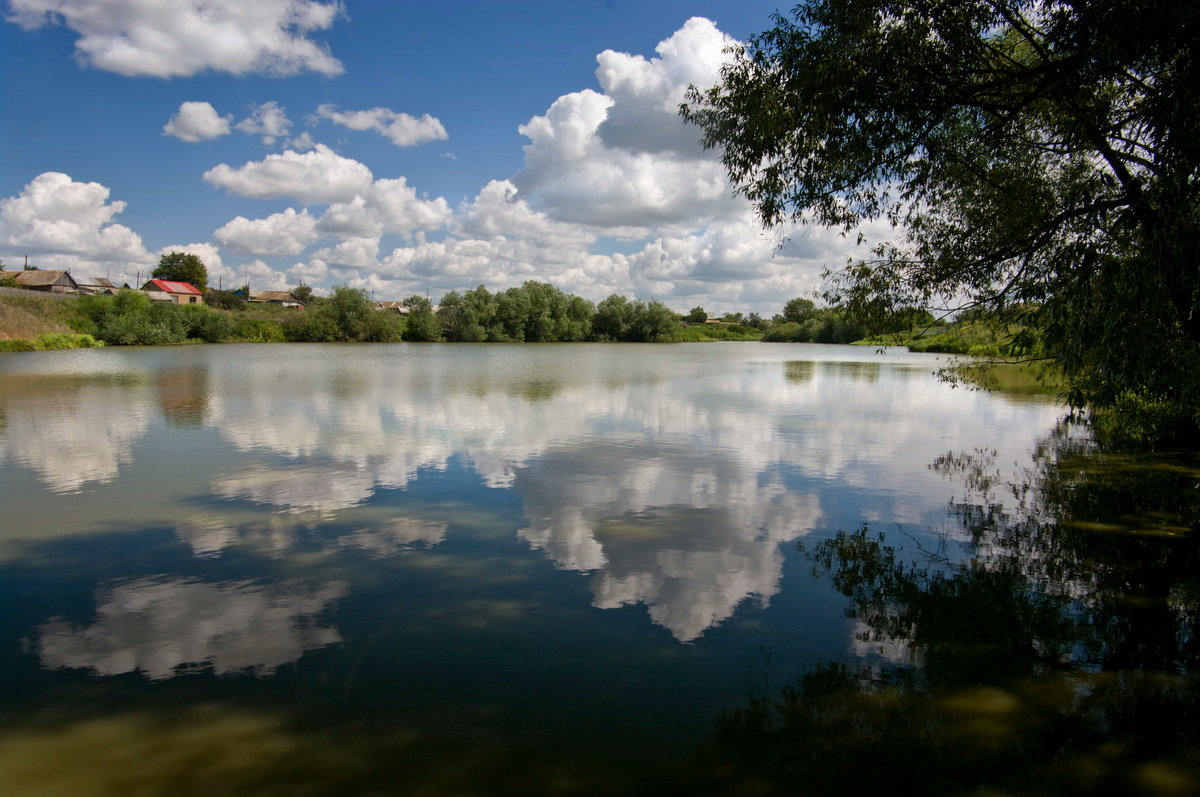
(169, 291)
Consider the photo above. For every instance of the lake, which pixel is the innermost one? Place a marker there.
(579, 568)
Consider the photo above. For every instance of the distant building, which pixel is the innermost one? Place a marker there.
(170, 291)
(91, 287)
(392, 307)
(42, 280)
(399, 307)
(281, 298)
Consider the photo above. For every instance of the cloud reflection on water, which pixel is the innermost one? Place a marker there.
(73, 431)
(161, 627)
(671, 474)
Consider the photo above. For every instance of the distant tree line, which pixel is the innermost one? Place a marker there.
(533, 312)
(803, 322)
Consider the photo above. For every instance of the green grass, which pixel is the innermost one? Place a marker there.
(976, 339)
(51, 340)
(708, 332)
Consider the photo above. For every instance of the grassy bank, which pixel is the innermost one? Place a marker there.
(51, 340)
(702, 333)
(28, 317)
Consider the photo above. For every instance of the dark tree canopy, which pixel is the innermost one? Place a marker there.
(1043, 155)
(182, 267)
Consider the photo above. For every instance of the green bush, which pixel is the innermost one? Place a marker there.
(52, 341)
(257, 330)
(975, 338)
(311, 327)
(133, 318)
(66, 340)
(705, 332)
(788, 332)
(224, 300)
(346, 316)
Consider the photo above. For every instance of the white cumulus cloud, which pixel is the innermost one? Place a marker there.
(177, 38)
(268, 120)
(356, 253)
(359, 205)
(197, 121)
(258, 275)
(499, 213)
(386, 206)
(622, 157)
(318, 175)
(401, 129)
(286, 233)
(68, 223)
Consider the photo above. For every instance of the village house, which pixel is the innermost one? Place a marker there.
(399, 307)
(97, 285)
(42, 280)
(170, 291)
(280, 298)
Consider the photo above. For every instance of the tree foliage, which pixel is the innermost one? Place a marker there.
(1035, 153)
(535, 312)
(182, 267)
(421, 324)
(346, 316)
(224, 300)
(799, 310)
(618, 318)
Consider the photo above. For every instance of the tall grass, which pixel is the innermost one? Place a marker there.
(27, 317)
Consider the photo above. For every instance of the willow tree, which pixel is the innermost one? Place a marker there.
(1034, 155)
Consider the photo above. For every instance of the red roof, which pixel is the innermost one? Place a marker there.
(172, 287)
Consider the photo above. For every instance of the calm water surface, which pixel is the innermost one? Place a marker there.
(460, 569)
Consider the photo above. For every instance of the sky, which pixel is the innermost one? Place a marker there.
(396, 146)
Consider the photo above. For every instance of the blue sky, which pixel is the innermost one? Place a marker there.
(400, 147)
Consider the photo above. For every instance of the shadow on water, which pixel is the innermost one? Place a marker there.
(1060, 657)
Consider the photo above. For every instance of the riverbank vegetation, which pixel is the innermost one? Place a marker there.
(535, 312)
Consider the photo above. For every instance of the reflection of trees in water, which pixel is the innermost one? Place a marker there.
(1061, 657)
(183, 395)
(855, 371)
(799, 372)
